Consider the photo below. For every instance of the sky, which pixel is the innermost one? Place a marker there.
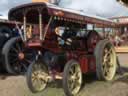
(103, 8)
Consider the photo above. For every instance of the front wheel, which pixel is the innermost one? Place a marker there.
(106, 60)
(72, 78)
(37, 77)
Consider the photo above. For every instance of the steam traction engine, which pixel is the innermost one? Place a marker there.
(65, 47)
(7, 31)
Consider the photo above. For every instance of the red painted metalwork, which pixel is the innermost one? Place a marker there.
(84, 64)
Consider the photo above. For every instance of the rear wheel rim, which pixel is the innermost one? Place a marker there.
(39, 77)
(109, 62)
(74, 79)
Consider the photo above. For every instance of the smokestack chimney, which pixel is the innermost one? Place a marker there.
(56, 2)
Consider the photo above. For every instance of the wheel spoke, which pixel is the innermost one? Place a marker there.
(24, 66)
(111, 65)
(17, 66)
(14, 60)
(28, 54)
(71, 85)
(104, 70)
(43, 80)
(33, 79)
(107, 51)
(15, 50)
(28, 61)
(33, 75)
(13, 55)
(71, 72)
(18, 47)
(73, 68)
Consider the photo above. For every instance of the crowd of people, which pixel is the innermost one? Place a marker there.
(118, 38)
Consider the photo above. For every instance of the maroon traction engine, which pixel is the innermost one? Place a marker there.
(7, 32)
(65, 44)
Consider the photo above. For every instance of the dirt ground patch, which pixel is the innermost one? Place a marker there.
(16, 85)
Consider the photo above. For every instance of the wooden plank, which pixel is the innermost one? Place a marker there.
(123, 49)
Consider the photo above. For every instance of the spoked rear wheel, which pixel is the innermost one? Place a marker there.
(17, 57)
(106, 62)
(37, 77)
(72, 78)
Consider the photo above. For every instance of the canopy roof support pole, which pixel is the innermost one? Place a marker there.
(93, 26)
(46, 29)
(40, 25)
(24, 26)
(104, 33)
